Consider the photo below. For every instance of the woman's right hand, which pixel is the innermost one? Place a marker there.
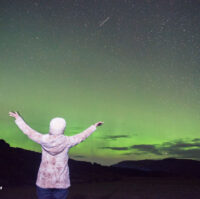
(98, 124)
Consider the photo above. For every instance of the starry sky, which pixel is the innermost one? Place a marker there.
(133, 64)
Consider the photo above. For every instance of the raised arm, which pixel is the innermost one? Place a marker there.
(76, 139)
(26, 129)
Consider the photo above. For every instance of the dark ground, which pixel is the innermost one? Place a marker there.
(147, 179)
(133, 188)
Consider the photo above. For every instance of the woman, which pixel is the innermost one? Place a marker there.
(53, 175)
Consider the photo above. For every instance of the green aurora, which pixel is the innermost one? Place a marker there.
(139, 73)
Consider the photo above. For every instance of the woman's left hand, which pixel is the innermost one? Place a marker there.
(14, 114)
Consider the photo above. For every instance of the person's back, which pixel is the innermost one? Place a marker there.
(53, 171)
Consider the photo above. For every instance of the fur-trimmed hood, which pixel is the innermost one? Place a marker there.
(57, 126)
(56, 139)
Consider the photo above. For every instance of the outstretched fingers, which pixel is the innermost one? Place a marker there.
(99, 123)
(13, 114)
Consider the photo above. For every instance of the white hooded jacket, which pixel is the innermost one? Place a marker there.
(54, 171)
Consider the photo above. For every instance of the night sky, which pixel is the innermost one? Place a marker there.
(133, 64)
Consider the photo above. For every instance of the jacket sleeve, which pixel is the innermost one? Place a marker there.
(27, 130)
(76, 139)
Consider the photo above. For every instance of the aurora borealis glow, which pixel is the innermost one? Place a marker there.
(139, 72)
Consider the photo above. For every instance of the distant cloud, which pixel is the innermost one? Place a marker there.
(128, 153)
(196, 140)
(116, 136)
(182, 149)
(177, 148)
(147, 148)
(116, 148)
